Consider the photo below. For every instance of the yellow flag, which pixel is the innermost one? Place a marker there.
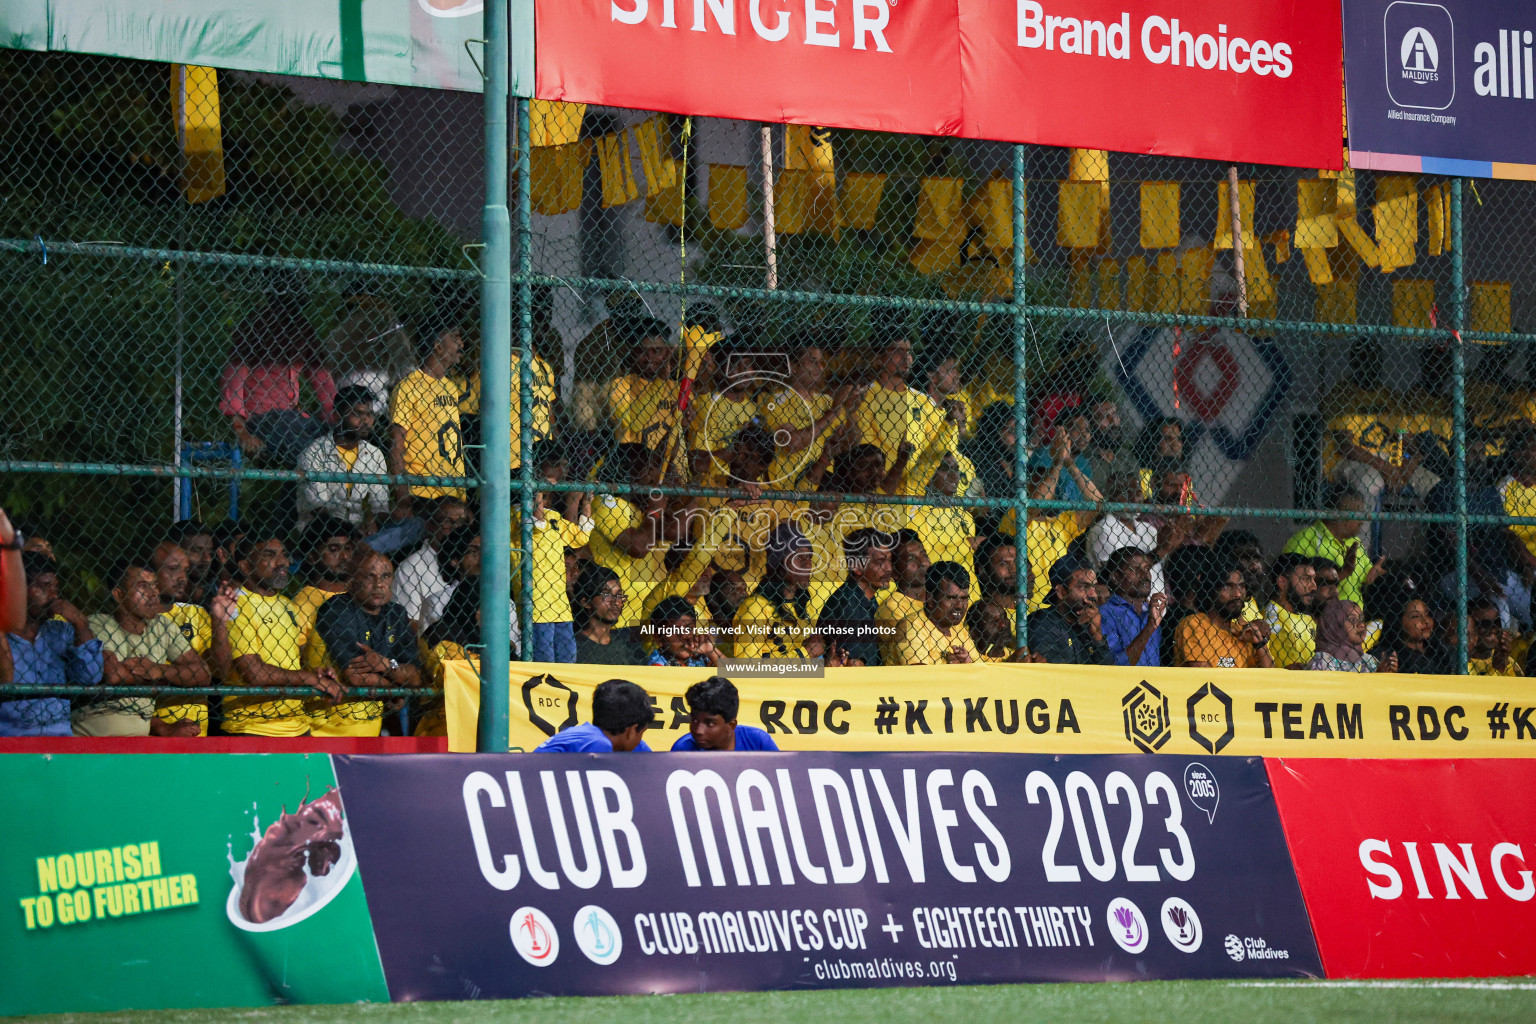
(1435, 219)
(1223, 238)
(861, 199)
(666, 205)
(938, 207)
(1160, 215)
(1169, 295)
(614, 168)
(1110, 296)
(656, 155)
(554, 123)
(1412, 301)
(1140, 288)
(195, 103)
(727, 196)
(991, 211)
(1489, 307)
(1397, 220)
(1195, 279)
(1080, 220)
(1316, 202)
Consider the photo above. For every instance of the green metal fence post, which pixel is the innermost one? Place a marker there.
(1020, 418)
(1459, 418)
(496, 390)
(525, 380)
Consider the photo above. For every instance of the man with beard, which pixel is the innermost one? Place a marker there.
(326, 547)
(197, 541)
(140, 647)
(368, 641)
(206, 631)
(264, 643)
(600, 602)
(1108, 454)
(346, 449)
(909, 561)
(1211, 636)
(1242, 549)
(1132, 618)
(894, 416)
(1291, 614)
(938, 635)
(849, 615)
(53, 647)
(1069, 630)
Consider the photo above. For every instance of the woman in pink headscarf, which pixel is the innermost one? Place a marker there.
(1341, 641)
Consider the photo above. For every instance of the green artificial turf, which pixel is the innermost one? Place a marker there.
(1183, 1002)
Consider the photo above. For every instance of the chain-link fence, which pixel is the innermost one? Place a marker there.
(788, 393)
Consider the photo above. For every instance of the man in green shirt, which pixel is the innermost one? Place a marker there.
(140, 647)
(1337, 541)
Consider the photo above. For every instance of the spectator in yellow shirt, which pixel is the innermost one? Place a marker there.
(1291, 615)
(1488, 642)
(1048, 535)
(937, 635)
(643, 402)
(206, 631)
(948, 531)
(326, 548)
(896, 417)
(909, 565)
(775, 621)
(802, 415)
(554, 634)
(425, 437)
(631, 533)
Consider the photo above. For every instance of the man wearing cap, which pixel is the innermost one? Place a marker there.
(1068, 630)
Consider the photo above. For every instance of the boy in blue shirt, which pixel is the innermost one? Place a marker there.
(621, 712)
(712, 706)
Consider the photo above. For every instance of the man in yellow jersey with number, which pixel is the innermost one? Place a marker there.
(424, 411)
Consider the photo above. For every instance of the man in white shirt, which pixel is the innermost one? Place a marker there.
(1115, 530)
(419, 575)
(347, 450)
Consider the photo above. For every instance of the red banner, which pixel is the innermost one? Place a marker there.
(1414, 868)
(1258, 83)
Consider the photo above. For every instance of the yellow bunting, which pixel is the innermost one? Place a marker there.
(1263, 299)
(199, 130)
(1160, 214)
(1359, 241)
(656, 155)
(1318, 268)
(1080, 283)
(861, 199)
(1223, 238)
(1110, 296)
(1435, 219)
(614, 168)
(554, 123)
(1168, 283)
(1141, 289)
(556, 177)
(727, 196)
(1489, 307)
(1080, 220)
(666, 207)
(1397, 220)
(1194, 278)
(938, 208)
(810, 149)
(1281, 240)
(1412, 301)
(991, 211)
(1087, 165)
(790, 199)
(1335, 301)
(1316, 201)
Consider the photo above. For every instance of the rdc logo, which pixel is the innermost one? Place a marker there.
(533, 936)
(597, 935)
(1420, 55)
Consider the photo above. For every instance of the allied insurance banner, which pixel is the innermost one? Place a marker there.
(1442, 88)
(1415, 868)
(401, 42)
(499, 876)
(1059, 709)
(1252, 82)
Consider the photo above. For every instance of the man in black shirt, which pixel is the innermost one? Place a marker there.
(599, 602)
(848, 618)
(367, 637)
(1067, 632)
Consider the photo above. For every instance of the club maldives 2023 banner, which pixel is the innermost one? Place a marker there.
(143, 881)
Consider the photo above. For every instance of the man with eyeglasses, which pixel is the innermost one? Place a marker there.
(600, 600)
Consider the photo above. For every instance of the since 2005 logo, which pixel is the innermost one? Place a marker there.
(1145, 710)
(1420, 55)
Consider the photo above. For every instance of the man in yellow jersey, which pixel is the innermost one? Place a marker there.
(366, 639)
(1047, 535)
(554, 635)
(774, 621)
(909, 565)
(544, 389)
(631, 533)
(264, 642)
(937, 635)
(1291, 613)
(948, 531)
(643, 402)
(801, 417)
(893, 415)
(326, 548)
(205, 632)
(424, 411)
(1518, 494)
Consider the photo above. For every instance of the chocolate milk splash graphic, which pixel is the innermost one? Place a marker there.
(295, 849)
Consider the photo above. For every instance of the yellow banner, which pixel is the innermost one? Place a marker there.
(1052, 709)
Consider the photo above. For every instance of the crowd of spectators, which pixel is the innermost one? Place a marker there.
(370, 585)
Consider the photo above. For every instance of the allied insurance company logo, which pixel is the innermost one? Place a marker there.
(1420, 55)
(534, 936)
(1149, 726)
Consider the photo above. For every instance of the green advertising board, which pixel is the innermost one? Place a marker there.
(430, 43)
(128, 887)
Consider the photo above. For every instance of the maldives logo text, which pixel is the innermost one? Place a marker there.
(1420, 55)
